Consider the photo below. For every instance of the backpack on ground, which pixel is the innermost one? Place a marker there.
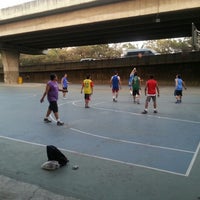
(54, 154)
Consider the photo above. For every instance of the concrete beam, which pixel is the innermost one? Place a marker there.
(22, 49)
(10, 60)
(44, 7)
(93, 14)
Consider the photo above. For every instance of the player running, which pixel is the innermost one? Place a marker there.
(52, 95)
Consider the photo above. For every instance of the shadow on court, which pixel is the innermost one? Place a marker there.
(121, 153)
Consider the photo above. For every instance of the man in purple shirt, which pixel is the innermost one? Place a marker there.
(52, 95)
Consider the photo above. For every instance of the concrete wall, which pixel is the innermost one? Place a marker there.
(164, 73)
(164, 67)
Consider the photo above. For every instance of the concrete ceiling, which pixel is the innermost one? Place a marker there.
(164, 25)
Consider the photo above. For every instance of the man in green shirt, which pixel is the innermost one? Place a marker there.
(136, 86)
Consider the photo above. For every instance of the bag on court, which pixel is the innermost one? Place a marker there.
(54, 154)
(50, 165)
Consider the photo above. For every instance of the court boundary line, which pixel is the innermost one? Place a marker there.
(93, 156)
(131, 142)
(159, 117)
(127, 163)
(193, 160)
(139, 114)
(121, 140)
(136, 143)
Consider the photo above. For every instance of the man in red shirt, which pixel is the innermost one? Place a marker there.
(150, 91)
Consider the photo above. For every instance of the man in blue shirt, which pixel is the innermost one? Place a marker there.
(64, 83)
(115, 83)
(179, 84)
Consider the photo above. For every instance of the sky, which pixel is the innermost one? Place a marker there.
(9, 3)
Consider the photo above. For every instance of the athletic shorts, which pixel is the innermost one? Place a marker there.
(87, 96)
(53, 106)
(151, 97)
(65, 88)
(115, 89)
(178, 93)
(136, 92)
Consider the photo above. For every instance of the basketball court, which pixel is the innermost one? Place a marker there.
(121, 153)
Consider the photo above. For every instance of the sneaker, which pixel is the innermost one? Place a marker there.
(59, 123)
(144, 112)
(47, 120)
(155, 111)
(87, 106)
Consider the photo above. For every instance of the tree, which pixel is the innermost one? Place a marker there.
(104, 51)
(73, 54)
(169, 45)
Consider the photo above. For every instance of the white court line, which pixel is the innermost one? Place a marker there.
(159, 117)
(98, 103)
(139, 114)
(61, 104)
(136, 143)
(192, 161)
(93, 156)
(131, 142)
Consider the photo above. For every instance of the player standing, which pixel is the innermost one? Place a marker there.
(150, 90)
(64, 83)
(179, 84)
(115, 83)
(136, 86)
(87, 86)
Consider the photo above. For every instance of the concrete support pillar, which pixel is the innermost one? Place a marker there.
(10, 60)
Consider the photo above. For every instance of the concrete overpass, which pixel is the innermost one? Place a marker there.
(42, 24)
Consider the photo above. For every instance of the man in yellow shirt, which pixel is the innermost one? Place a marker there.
(87, 87)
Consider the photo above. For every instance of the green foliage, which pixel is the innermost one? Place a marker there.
(73, 54)
(105, 51)
(130, 46)
(169, 45)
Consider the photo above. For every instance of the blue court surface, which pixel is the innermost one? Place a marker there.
(116, 132)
